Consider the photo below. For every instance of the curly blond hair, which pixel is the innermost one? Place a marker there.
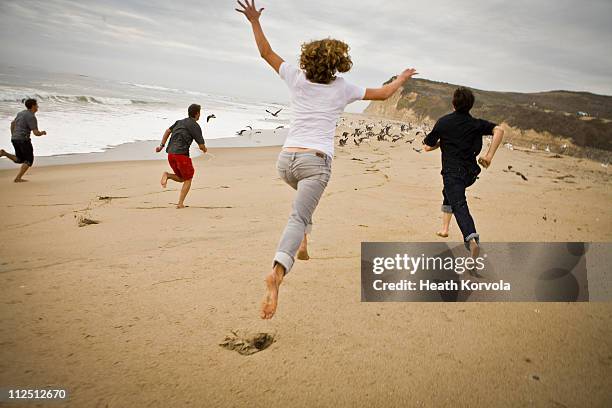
(321, 59)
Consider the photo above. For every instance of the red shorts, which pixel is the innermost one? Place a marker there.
(181, 165)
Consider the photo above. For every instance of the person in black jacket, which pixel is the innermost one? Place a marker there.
(459, 137)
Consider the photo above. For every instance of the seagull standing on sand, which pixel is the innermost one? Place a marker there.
(343, 140)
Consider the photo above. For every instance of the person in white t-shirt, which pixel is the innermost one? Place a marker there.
(318, 98)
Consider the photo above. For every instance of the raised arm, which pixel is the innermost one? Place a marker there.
(385, 92)
(498, 136)
(265, 50)
(164, 140)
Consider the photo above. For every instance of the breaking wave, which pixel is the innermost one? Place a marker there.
(20, 96)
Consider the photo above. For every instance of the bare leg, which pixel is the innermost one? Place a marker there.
(164, 179)
(22, 170)
(4, 153)
(303, 251)
(174, 177)
(184, 191)
(273, 281)
(474, 248)
(446, 219)
(171, 176)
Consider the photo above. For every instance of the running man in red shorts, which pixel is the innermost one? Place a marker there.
(183, 132)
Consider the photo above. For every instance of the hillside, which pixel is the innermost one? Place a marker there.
(575, 123)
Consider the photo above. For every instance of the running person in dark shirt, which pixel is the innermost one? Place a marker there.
(183, 132)
(459, 136)
(24, 123)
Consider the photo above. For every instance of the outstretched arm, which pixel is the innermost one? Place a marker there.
(164, 139)
(265, 50)
(498, 136)
(385, 92)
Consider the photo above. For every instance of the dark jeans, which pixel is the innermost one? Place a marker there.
(456, 180)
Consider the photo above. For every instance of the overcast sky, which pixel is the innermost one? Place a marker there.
(519, 45)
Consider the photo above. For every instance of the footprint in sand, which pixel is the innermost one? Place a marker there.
(247, 343)
(84, 221)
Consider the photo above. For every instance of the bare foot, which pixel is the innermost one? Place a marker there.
(2, 152)
(474, 248)
(273, 281)
(303, 254)
(179, 206)
(20, 180)
(164, 180)
(443, 234)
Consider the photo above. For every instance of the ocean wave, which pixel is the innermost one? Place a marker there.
(22, 95)
(178, 91)
(153, 87)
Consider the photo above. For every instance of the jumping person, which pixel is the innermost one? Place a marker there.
(318, 98)
(183, 132)
(459, 136)
(24, 123)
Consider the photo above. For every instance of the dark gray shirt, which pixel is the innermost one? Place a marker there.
(25, 122)
(184, 132)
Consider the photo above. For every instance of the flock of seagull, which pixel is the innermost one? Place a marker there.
(249, 127)
(363, 131)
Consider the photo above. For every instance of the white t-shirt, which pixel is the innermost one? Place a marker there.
(316, 108)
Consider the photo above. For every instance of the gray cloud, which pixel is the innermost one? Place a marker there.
(205, 45)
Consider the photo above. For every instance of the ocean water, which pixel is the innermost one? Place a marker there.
(83, 114)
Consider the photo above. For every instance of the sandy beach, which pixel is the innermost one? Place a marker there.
(131, 311)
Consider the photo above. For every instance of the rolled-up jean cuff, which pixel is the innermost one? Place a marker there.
(473, 235)
(308, 229)
(284, 259)
(447, 209)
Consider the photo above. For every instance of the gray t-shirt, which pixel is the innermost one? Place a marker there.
(25, 122)
(184, 132)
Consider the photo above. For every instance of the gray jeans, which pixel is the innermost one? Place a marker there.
(307, 173)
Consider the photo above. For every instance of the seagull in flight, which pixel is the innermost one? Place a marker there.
(275, 114)
(209, 117)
